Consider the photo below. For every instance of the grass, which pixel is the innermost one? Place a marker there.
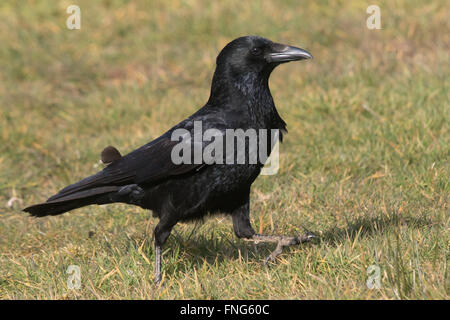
(365, 164)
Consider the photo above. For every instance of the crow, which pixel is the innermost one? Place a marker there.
(151, 177)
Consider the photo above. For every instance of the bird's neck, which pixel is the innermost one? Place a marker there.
(243, 91)
(246, 97)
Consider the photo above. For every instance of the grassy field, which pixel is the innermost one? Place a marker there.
(365, 164)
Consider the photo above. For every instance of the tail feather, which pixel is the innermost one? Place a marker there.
(85, 184)
(82, 194)
(61, 204)
(55, 208)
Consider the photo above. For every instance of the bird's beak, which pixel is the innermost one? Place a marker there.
(283, 53)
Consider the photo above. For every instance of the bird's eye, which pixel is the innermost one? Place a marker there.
(256, 51)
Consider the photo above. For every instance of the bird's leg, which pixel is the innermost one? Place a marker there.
(157, 264)
(241, 221)
(162, 232)
(243, 229)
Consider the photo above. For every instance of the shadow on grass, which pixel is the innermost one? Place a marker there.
(364, 227)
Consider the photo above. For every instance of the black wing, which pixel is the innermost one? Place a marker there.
(150, 163)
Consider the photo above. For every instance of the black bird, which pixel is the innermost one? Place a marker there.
(148, 177)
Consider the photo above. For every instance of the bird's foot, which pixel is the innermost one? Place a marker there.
(281, 241)
(157, 280)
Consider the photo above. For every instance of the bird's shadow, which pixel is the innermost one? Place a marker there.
(364, 227)
(202, 248)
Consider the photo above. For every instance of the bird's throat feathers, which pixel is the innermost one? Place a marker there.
(249, 92)
(229, 86)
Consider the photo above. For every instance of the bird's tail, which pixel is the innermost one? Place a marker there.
(94, 189)
(60, 204)
(55, 208)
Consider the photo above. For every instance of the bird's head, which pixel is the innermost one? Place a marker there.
(257, 55)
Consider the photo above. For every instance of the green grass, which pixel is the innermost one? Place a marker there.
(365, 164)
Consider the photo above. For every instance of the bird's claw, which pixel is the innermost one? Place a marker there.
(308, 236)
(157, 281)
(288, 241)
(275, 253)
